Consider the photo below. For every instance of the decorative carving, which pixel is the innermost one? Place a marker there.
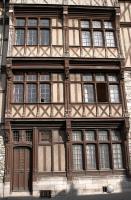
(8, 68)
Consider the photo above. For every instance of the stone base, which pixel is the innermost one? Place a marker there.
(59, 186)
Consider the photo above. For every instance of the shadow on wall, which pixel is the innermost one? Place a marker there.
(72, 194)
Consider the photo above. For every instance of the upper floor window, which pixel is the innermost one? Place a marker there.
(91, 32)
(40, 87)
(94, 87)
(32, 31)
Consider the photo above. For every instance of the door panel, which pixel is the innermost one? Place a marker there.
(22, 176)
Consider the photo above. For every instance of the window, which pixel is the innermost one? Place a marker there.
(22, 136)
(51, 150)
(94, 87)
(99, 149)
(32, 31)
(39, 87)
(97, 33)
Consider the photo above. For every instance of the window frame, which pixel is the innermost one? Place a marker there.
(101, 29)
(26, 27)
(97, 142)
(49, 80)
(94, 82)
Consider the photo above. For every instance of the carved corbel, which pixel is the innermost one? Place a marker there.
(9, 69)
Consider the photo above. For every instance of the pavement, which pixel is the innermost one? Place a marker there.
(112, 196)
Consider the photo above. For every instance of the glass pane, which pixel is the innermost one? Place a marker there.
(84, 24)
(97, 38)
(16, 136)
(31, 77)
(90, 135)
(110, 40)
(91, 156)
(18, 93)
(19, 36)
(117, 156)
(44, 22)
(18, 77)
(104, 156)
(96, 24)
(45, 77)
(44, 93)
(32, 37)
(112, 78)
(108, 24)
(20, 22)
(87, 77)
(32, 22)
(116, 136)
(114, 93)
(28, 135)
(100, 77)
(44, 37)
(86, 38)
(76, 135)
(103, 135)
(77, 157)
(31, 91)
(88, 93)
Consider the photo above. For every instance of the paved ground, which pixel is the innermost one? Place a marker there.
(113, 196)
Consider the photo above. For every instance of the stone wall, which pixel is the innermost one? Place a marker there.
(127, 78)
(2, 162)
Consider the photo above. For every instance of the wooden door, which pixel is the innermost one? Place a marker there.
(22, 176)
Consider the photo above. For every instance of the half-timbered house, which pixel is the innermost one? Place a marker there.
(67, 110)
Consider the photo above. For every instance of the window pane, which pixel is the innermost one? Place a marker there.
(32, 37)
(44, 93)
(44, 37)
(96, 24)
(32, 22)
(28, 135)
(84, 24)
(117, 156)
(18, 77)
(112, 78)
(45, 77)
(18, 93)
(90, 135)
(88, 93)
(31, 93)
(86, 38)
(20, 22)
(91, 156)
(97, 38)
(16, 135)
(116, 136)
(19, 36)
(31, 77)
(76, 136)
(114, 93)
(77, 157)
(44, 22)
(103, 135)
(100, 77)
(102, 95)
(87, 77)
(108, 25)
(110, 40)
(104, 156)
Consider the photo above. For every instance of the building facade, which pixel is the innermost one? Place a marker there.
(2, 91)
(67, 114)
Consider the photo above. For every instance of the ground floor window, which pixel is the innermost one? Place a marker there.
(99, 149)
